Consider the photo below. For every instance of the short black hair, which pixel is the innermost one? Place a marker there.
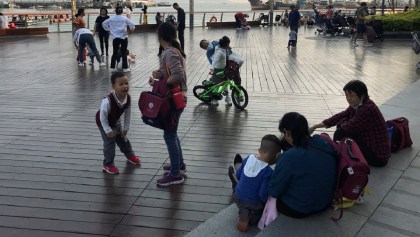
(224, 42)
(363, 4)
(175, 4)
(271, 144)
(357, 87)
(119, 10)
(116, 75)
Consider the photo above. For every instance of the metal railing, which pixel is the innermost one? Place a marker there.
(60, 21)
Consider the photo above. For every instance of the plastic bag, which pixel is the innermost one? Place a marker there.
(236, 58)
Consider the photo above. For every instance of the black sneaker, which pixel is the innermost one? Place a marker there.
(232, 177)
(167, 168)
(237, 161)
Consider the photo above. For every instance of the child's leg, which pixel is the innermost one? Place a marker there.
(124, 145)
(109, 149)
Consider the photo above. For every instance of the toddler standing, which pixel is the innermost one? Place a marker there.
(117, 102)
(292, 39)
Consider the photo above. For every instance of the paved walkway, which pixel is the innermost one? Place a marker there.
(51, 182)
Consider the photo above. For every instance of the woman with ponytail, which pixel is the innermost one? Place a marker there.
(171, 74)
(304, 178)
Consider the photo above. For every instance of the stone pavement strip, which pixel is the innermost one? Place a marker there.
(51, 182)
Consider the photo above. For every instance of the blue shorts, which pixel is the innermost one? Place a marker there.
(361, 28)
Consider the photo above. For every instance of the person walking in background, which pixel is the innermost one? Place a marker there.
(159, 21)
(102, 33)
(144, 9)
(117, 25)
(172, 71)
(294, 18)
(180, 24)
(117, 103)
(361, 25)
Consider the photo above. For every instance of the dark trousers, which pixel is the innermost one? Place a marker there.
(89, 40)
(109, 146)
(104, 40)
(238, 22)
(286, 210)
(370, 156)
(291, 43)
(249, 211)
(181, 37)
(116, 43)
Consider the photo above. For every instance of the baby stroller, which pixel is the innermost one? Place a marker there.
(311, 22)
(264, 19)
(416, 46)
(277, 20)
(379, 29)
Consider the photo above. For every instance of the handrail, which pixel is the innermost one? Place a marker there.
(59, 21)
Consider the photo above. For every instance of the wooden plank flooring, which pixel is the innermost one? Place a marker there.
(51, 182)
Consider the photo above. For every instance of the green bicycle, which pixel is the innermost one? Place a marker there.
(210, 91)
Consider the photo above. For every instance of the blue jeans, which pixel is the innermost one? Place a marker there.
(89, 40)
(174, 146)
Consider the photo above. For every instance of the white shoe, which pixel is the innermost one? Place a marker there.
(81, 64)
(90, 63)
(369, 45)
(214, 103)
(113, 69)
(127, 70)
(228, 100)
(102, 64)
(354, 45)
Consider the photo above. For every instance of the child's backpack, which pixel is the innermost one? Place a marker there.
(400, 136)
(232, 69)
(353, 171)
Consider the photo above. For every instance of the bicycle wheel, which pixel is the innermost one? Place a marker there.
(240, 97)
(199, 92)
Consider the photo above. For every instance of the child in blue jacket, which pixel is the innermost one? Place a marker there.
(253, 177)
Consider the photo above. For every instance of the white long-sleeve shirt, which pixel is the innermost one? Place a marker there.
(105, 109)
(219, 58)
(117, 25)
(80, 32)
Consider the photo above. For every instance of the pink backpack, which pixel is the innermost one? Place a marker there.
(352, 173)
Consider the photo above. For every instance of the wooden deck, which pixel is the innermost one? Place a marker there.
(51, 182)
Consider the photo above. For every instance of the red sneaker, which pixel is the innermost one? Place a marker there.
(134, 159)
(110, 169)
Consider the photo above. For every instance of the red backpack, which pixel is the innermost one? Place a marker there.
(353, 171)
(400, 137)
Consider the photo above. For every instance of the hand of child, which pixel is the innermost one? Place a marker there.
(124, 133)
(211, 71)
(157, 74)
(151, 81)
(111, 134)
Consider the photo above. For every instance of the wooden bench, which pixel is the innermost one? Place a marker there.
(230, 24)
(145, 27)
(24, 31)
